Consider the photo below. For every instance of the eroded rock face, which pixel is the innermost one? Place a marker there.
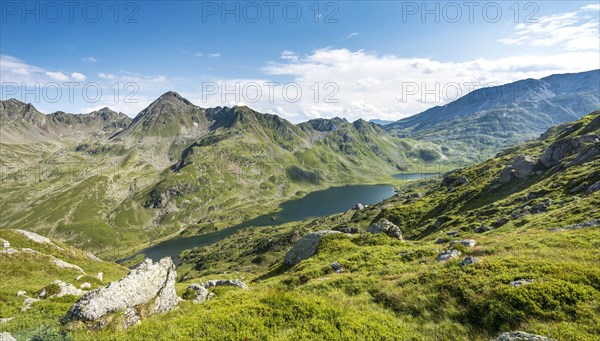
(149, 282)
(521, 167)
(202, 293)
(520, 336)
(387, 227)
(560, 150)
(305, 247)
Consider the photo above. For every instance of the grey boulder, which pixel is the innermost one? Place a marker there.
(465, 242)
(560, 150)
(483, 228)
(447, 255)
(306, 247)
(521, 167)
(4, 336)
(387, 227)
(149, 283)
(201, 290)
(520, 336)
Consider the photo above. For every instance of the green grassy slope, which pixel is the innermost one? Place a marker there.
(32, 271)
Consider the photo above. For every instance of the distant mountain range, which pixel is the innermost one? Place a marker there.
(381, 122)
(23, 123)
(97, 178)
(488, 120)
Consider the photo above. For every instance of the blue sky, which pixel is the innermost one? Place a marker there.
(375, 59)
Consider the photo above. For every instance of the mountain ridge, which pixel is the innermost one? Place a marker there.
(479, 122)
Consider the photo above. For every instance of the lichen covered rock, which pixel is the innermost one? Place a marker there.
(387, 227)
(149, 283)
(305, 247)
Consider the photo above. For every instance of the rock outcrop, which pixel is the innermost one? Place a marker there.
(306, 247)
(337, 268)
(28, 302)
(582, 225)
(520, 168)
(447, 255)
(6, 249)
(466, 242)
(468, 261)
(520, 282)
(520, 336)
(462, 180)
(64, 265)
(593, 188)
(4, 336)
(387, 227)
(560, 150)
(202, 293)
(37, 238)
(64, 289)
(149, 283)
(483, 228)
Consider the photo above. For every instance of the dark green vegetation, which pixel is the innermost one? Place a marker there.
(488, 120)
(176, 167)
(390, 289)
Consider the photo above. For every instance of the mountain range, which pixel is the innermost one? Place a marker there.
(101, 179)
(487, 120)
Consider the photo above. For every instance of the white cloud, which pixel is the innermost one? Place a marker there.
(79, 77)
(198, 54)
(89, 59)
(353, 34)
(358, 84)
(57, 76)
(214, 55)
(381, 86)
(571, 31)
(135, 91)
(591, 7)
(106, 75)
(289, 55)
